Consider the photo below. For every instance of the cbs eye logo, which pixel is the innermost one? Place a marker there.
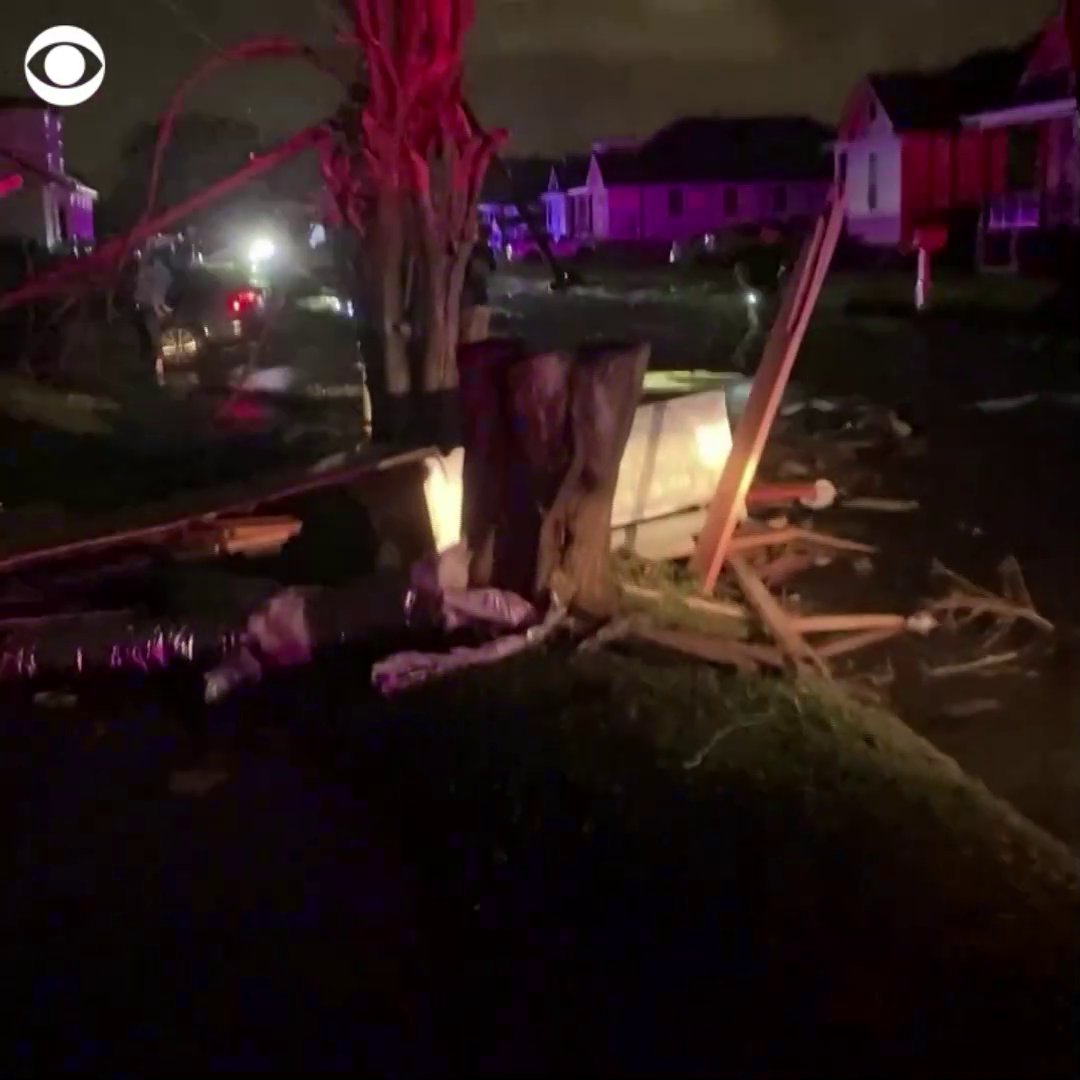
(65, 65)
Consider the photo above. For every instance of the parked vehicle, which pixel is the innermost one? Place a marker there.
(210, 312)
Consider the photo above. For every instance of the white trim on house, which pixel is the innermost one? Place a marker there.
(1059, 109)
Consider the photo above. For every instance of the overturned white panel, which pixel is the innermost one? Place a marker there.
(672, 463)
(674, 457)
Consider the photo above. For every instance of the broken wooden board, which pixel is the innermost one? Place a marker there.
(249, 536)
(157, 523)
(799, 653)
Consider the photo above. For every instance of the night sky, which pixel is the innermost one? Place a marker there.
(558, 73)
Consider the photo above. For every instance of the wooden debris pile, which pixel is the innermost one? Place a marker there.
(754, 623)
(999, 617)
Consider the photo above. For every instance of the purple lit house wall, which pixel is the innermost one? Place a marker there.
(694, 177)
(52, 208)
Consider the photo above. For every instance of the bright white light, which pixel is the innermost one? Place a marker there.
(65, 65)
(261, 250)
(752, 299)
(443, 488)
(713, 444)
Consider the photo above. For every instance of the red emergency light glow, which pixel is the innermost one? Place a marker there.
(10, 184)
(244, 301)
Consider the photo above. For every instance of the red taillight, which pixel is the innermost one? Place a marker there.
(244, 301)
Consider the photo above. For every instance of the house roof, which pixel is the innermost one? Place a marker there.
(572, 171)
(930, 101)
(717, 148)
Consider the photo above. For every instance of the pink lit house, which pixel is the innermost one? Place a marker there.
(49, 207)
(906, 161)
(1034, 216)
(696, 176)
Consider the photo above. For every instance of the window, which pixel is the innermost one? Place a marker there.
(1022, 162)
(675, 202)
(779, 200)
(872, 182)
(731, 201)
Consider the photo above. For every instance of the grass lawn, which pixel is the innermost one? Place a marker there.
(620, 864)
(641, 864)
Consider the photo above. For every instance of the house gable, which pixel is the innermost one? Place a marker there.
(1052, 56)
(595, 179)
(865, 116)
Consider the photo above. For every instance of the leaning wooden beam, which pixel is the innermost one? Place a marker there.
(797, 649)
(766, 393)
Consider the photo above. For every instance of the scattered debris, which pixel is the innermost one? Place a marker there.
(970, 667)
(196, 783)
(407, 670)
(814, 495)
(797, 651)
(863, 566)
(615, 630)
(719, 608)
(964, 710)
(968, 602)
(749, 540)
(900, 428)
(55, 699)
(854, 642)
(1003, 405)
(885, 506)
(793, 470)
(250, 536)
(788, 565)
(836, 624)
(923, 623)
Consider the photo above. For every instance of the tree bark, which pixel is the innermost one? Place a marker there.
(575, 545)
(544, 439)
(392, 378)
(486, 438)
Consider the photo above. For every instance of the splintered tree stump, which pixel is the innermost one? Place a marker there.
(544, 437)
(485, 430)
(575, 545)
